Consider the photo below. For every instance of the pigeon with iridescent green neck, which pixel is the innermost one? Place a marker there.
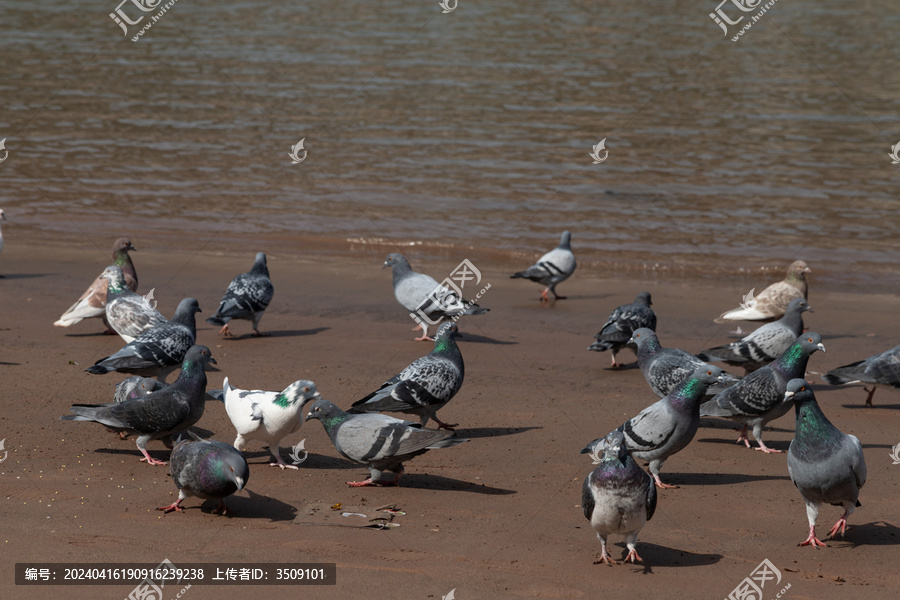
(160, 414)
(380, 442)
(208, 470)
(92, 302)
(425, 386)
(666, 427)
(128, 313)
(759, 397)
(826, 464)
(267, 416)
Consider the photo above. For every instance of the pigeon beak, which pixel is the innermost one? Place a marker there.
(821, 346)
(309, 416)
(212, 360)
(788, 395)
(239, 481)
(809, 309)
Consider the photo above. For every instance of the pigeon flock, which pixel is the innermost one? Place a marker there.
(618, 497)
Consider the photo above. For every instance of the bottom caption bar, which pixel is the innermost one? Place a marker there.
(155, 577)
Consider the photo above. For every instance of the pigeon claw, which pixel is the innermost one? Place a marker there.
(633, 555)
(840, 525)
(221, 510)
(150, 460)
(172, 507)
(447, 426)
(365, 483)
(225, 331)
(763, 448)
(606, 558)
(283, 466)
(663, 486)
(869, 397)
(813, 541)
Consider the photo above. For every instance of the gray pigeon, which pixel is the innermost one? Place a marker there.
(759, 397)
(552, 268)
(92, 302)
(826, 465)
(422, 295)
(157, 351)
(882, 368)
(665, 368)
(771, 303)
(246, 298)
(159, 414)
(378, 441)
(618, 497)
(129, 314)
(623, 322)
(425, 386)
(206, 469)
(666, 427)
(136, 387)
(763, 345)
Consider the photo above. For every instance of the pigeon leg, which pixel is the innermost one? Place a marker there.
(442, 425)
(743, 437)
(123, 435)
(424, 337)
(276, 452)
(256, 331)
(871, 393)
(544, 296)
(176, 506)
(841, 524)
(632, 555)
(812, 512)
(150, 460)
(615, 365)
(604, 555)
(361, 483)
(661, 485)
(221, 509)
(766, 449)
(224, 331)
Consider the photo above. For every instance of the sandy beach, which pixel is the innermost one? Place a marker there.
(497, 517)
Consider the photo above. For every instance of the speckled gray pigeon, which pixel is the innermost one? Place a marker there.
(157, 351)
(247, 297)
(882, 368)
(552, 268)
(665, 368)
(826, 465)
(618, 497)
(160, 414)
(208, 470)
(425, 386)
(667, 426)
(380, 442)
(128, 314)
(622, 323)
(759, 397)
(763, 345)
(421, 295)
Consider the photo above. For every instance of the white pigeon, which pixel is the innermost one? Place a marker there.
(129, 314)
(267, 416)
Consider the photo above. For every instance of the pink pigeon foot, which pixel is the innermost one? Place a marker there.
(661, 485)
(766, 449)
(174, 506)
(812, 540)
(221, 509)
(606, 558)
(225, 331)
(283, 466)
(841, 524)
(743, 437)
(150, 460)
(869, 398)
(633, 555)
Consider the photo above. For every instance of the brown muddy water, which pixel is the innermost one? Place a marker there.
(470, 128)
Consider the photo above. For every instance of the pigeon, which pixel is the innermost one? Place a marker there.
(425, 386)
(666, 427)
(268, 416)
(771, 303)
(882, 368)
(426, 300)
(552, 268)
(380, 442)
(759, 397)
(92, 302)
(206, 469)
(157, 351)
(128, 313)
(158, 414)
(623, 322)
(136, 387)
(618, 497)
(665, 368)
(246, 298)
(826, 465)
(763, 345)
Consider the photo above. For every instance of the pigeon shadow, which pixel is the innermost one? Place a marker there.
(25, 275)
(717, 478)
(256, 506)
(626, 367)
(783, 446)
(483, 432)
(656, 555)
(474, 338)
(876, 533)
(9, 363)
(863, 405)
(322, 461)
(424, 481)
(278, 333)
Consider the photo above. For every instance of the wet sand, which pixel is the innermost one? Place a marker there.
(497, 517)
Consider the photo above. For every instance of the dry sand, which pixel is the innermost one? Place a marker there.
(497, 517)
